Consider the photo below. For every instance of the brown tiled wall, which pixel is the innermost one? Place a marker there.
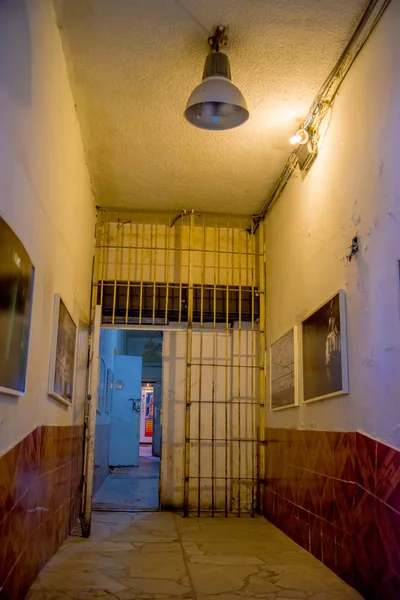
(40, 482)
(338, 496)
(101, 450)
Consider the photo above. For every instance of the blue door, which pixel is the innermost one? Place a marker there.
(125, 413)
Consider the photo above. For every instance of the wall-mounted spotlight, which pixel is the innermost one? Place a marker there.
(216, 104)
(309, 138)
(301, 137)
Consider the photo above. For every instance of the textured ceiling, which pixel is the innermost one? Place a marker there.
(133, 64)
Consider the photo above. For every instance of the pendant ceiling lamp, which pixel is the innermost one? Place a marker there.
(216, 104)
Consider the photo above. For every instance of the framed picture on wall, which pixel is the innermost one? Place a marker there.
(284, 359)
(62, 357)
(16, 292)
(324, 349)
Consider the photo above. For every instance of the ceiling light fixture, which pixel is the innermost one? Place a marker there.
(216, 104)
(302, 136)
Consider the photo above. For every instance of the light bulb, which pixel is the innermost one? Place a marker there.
(301, 137)
(295, 139)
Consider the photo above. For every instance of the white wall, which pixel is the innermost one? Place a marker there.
(352, 188)
(45, 196)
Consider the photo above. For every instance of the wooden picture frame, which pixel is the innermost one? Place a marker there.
(62, 354)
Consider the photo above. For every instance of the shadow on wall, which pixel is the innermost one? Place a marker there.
(15, 51)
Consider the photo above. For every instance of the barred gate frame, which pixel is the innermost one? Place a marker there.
(203, 275)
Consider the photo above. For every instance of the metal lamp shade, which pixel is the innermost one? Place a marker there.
(216, 104)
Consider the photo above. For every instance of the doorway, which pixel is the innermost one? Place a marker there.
(198, 278)
(127, 453)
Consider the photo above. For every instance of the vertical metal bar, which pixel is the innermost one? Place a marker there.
(181, 268)
(141, 271)
(213, 374)
(238, 367)
(226, 364)
(188, 370)
(203, 255)
(115, 273)
(90, 429)
(155, 271)
(103, 264)
(253, 371)
(167, 259)
(262, 381)
(232, 367)
(129, 273)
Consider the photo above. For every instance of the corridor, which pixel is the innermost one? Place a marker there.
(161, 555)
(130, 488)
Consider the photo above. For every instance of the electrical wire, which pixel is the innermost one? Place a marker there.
(326, 95)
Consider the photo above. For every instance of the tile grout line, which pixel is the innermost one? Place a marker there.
(30, 539)
(185, 559)
(350, 482)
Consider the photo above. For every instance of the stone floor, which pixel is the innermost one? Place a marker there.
(131, 487)
(161, 555)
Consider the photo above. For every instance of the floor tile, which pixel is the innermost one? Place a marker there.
(131, 488)
(162, 556)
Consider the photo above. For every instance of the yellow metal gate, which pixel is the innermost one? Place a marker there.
(200, 278)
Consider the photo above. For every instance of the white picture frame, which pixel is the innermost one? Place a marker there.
(285, 371)
(324, 350)
(62, 354)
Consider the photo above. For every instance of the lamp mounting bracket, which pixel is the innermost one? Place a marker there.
(218, 39)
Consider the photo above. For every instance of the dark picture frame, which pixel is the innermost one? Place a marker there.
(324, 350)
(16, 297)
(63, 351)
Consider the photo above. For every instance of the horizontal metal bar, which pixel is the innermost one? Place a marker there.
(174, 326)
(211, 251)
(174, 285)
(168, 213)
(179, 327)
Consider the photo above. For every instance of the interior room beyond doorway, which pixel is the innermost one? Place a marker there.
(128, 422)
